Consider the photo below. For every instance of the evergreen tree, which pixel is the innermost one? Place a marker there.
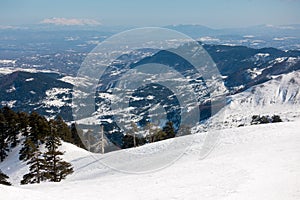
(11, 119)
(127, 141)
(159, 135)
(3, 138)
(276, 118)
(63, 130)
(27, 151)
(37, 166)
(169, 130)
(255, 119)
(23, 123)
(265, 120)
(39, 129)
(76, 134)
(3, 179)
(130, 139)
(56, 168)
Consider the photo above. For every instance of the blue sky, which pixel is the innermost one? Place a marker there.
(212, 13)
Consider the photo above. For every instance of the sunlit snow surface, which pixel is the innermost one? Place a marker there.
(254, 162)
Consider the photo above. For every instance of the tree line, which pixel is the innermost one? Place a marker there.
(265, 119)
(40, 139)
(151, 133)
(33, 131)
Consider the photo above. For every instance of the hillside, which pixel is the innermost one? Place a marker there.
(280, 96)
(241, 67)
(254, 162)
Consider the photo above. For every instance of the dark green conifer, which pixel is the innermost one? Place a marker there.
(39, 129)
(3, 179)
(37, 166)
(12, 131)
(169, 130)
(63, 130)
(77, 133)
(159, 135)
(3, 138)
(56, 168)
(23, 123)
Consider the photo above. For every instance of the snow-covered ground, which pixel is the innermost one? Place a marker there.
(9, 70)
(253, 162)
(279, 96)
(250, 162)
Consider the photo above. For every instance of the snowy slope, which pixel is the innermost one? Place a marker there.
(254, 162)
(280, 96)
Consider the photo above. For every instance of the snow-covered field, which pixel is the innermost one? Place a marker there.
(253, 162)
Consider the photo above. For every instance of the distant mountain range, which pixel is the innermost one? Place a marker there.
(241, 68)
(38, 66)
(193, 30)
(259, 30)
(54, 38)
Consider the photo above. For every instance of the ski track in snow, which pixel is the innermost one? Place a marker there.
(253, 162)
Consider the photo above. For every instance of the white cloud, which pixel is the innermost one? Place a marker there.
(11, 27)
(70, 22)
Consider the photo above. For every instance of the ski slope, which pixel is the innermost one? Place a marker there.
(252, 162)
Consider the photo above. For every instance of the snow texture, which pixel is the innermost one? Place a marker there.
(254, 162)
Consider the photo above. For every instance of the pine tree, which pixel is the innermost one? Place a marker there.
(169, 130)
(76, 136)
(3, 179)
(37, 166)
(159, 135)
(11, 119)
(3, 138)
(29, 146)
(39, 129)
(56, 168)
(23, 123)
(127, 141)
(276, 118)
(64, 132)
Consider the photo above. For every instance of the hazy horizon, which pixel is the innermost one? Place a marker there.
(213, 14)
